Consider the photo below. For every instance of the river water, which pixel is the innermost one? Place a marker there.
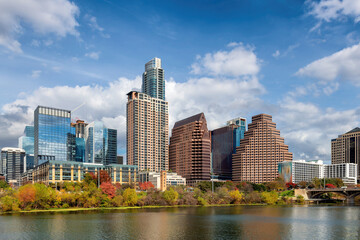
(237, 222)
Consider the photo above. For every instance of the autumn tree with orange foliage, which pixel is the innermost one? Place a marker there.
(146, 185)
(108, 189)
(27, 194)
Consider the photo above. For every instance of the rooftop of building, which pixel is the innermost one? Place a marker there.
(193, 118)
(357, 129)
(12, 149)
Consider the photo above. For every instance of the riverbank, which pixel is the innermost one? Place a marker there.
(53, 210)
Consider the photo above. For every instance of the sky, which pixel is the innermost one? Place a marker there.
(296, 60)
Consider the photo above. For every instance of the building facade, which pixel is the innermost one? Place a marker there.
(346, 148)
(12, 164)
(300, 170)
(54, 171)
(147, 134)
(162, 180)
(153, 81)
(100, 144)
(256, 159)
(26, 142)
(54, 138)
(79, 126)
(224, 141)
(190, 149)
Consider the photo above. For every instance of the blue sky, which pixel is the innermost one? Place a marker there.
(296, 60)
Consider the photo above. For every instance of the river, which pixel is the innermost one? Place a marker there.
(237, 222)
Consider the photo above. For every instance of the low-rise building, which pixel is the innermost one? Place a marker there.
(300, 170)
(161, 180)
(54, 171)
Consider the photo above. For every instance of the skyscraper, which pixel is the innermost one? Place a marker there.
(256, 159)
(79, 128)
(26, 142)
(153, 82)
(346, 148)
(101, 144)
(54, 138)
(224, 141)
(190, 148)
(12, 164)
(147, 134)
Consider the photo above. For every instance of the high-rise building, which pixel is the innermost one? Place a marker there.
(79, 128)
(12, 164)
(153, 83)
(26, 142)
(224, 141)
(190, 149)
(147, 132)
(100, 144)
(346, 148)
(54, 138)
(256, 159)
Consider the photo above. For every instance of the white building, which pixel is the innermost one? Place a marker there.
(172, 179)
(300, 170)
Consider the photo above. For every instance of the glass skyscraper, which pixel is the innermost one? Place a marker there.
(26, 142)
(54, 138)
(100, 144)
(153, 83)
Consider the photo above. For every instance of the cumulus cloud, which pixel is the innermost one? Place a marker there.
(93, 55)
(328, 10)
(240, 60)
(308, 129)
(107, 104)
(55, 16)
(342, 65)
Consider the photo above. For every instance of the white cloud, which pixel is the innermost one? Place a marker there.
(342, 65)
(328, 10)
(93, 55)
(95, 26)
(239, 61)
(308, 130)
(107, 104)
(276, 54)
(55, 16)
(36, 73)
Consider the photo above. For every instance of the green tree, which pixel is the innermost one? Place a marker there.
(269, 197)
(130, 197)
(171, 196)
(9, 203)
(4, 184)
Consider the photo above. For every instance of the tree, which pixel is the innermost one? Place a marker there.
(89, 178)
(104, 176)
(130, 197)
(108, 189)
(269, 197)
(302, 184)
(291, 185)
(235, 196)
(144, 186)
(4, 184)
(27, 194)
(171, 196)
(329, 185)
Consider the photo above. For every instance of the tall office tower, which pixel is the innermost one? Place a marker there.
(100, 144)
(147, 132)
(79, 128)
(346, 148)
(26, 142)
(153, 82)
(54, 138)
(224, 141)
(256, 159)
(190, 148)
(12, 164)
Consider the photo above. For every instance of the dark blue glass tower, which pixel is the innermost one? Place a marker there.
(153, 79)
(54, 138)
(26, 142)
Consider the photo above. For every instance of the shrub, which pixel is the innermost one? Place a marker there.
(108, 189)
(9, 203)
(288, 193)
(117, 201)
(201, 201)
(171, 196)
(235, 196)
(130, 197)
(269, 197)
(300, 199)
(26, 195)
(329, 185)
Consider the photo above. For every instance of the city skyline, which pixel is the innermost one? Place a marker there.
(215, 63)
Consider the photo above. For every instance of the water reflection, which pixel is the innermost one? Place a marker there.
(241, 222)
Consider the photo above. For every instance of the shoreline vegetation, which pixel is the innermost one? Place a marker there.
(87, 195)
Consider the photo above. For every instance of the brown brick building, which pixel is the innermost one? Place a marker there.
(190, 148)
(256, 159)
